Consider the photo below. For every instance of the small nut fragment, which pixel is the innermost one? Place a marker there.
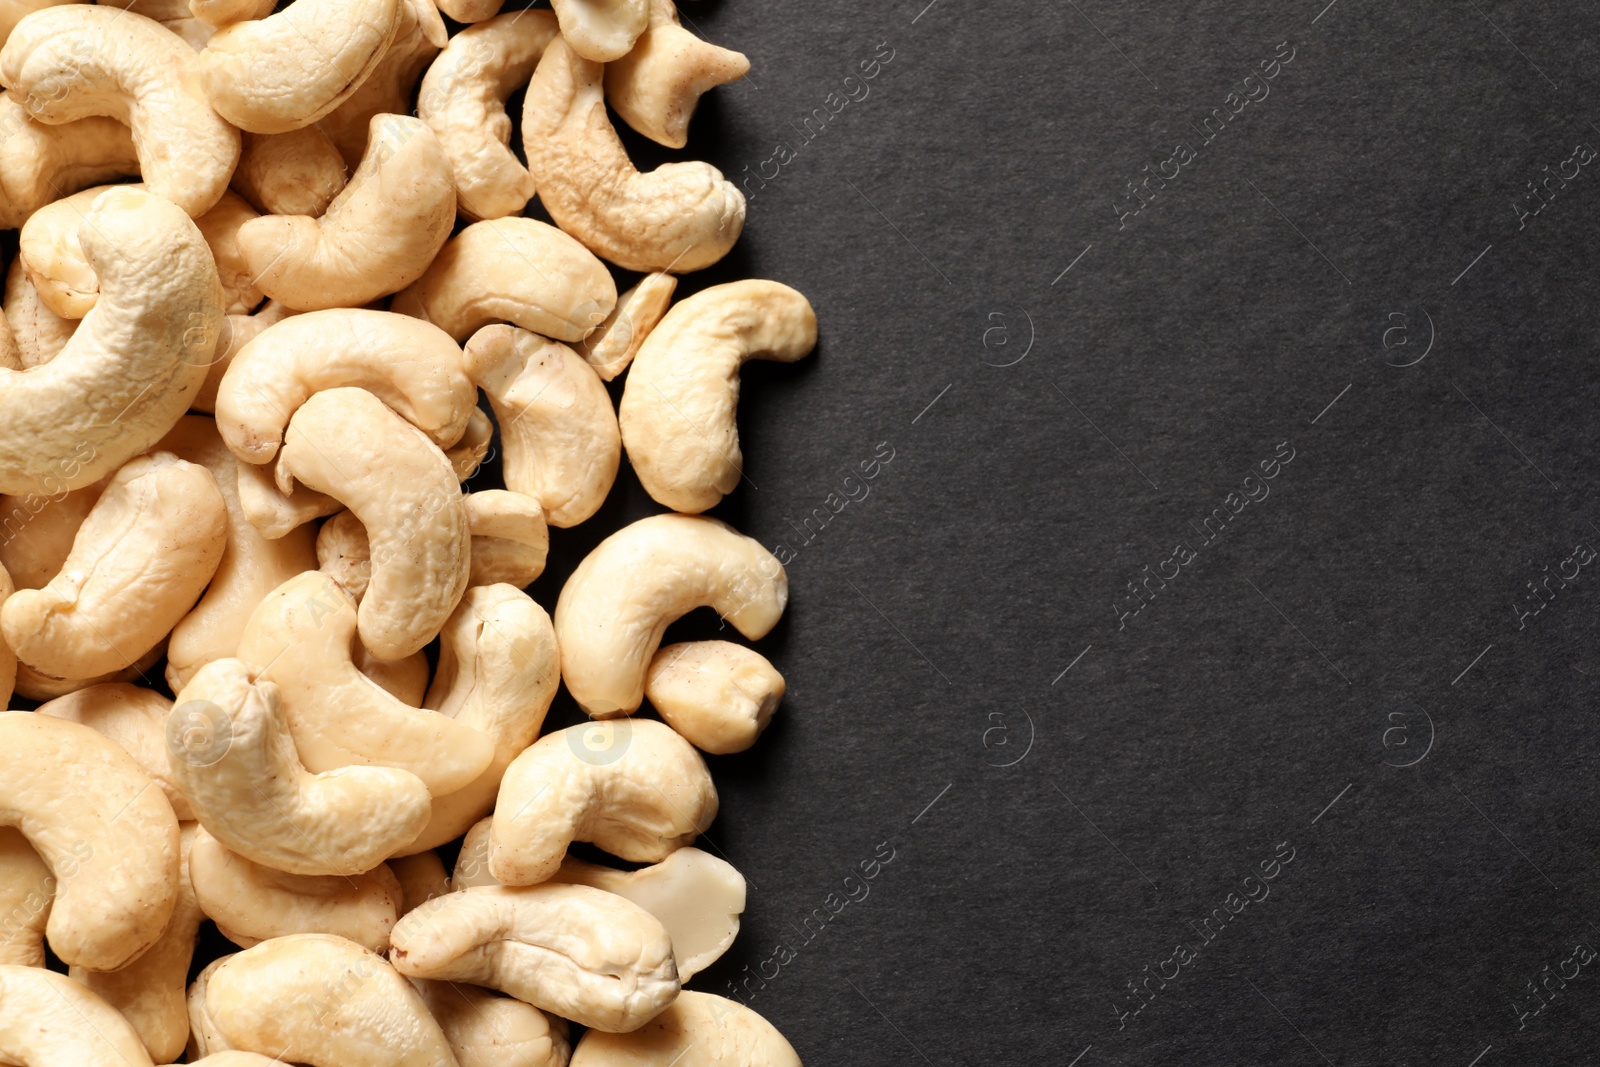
(614, 343)
(656, 86)
(717, 694)
(509, 538)
(696, 1030)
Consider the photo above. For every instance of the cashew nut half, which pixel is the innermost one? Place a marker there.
(616, 341)
(418, 36)
(489, 1030)
(509, 538)
(107, 834)
(41, 163)
(613, 610)
(601, 30)
(718, 695)
(656, 86)
(47, 1019)
(136, 720)
(585, 955)
(79, 60)
(232, 753)
(679, 217)
(26, 889)
(631, 787)
(294, 173)
(696, 1030)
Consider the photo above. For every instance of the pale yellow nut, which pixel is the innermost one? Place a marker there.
(412, 366)
(377, 237)
(300, 638)
(513, 270)
(558, 431)
(696, 1030)
(138, 564)
(40, 333)
(631, 787)
(204, 1039)
(36, 532)
(221, 226)
(680, 403)
(237, 331)
(40, 163)
(47, 1019)
(486, 1029)
(509, 538)
(293, 173)
(220, 13)
(418, 36)
(344, 556)
(468, 454)
(585, 955)
(72, 62)
(463, 100)
(103, 827)
(10, 353)
(718, 695)
(656, 86)
(288, 70)
(322, 1001)
(347, 444)
(422, 877)
(235, 1058)
(160, 10)
(601, 30)
(404, 679)
(620, 599)
(133, 717)
(26, 889)
(35, 686)
(192, 31)
(679, 217)
(612, 346)
(274, 512)
(232, 753)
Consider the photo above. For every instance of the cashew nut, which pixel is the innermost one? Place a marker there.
(696, 1030)
(418, 36)
(468, 454)
(656, 86)
(40, 333)
(8, 658)
(293, 173)
(679, 217)
(585, 955)
(136, 720)
(613, 610)
(26, 888)
(237, 331)
(78, 60)
(488, 1030)
(40, 163)
(509, 538)
(13, 11)
(601, 30)
(557, 427)
(275, 512)
(221, 227)
(232, 754)
(377, 237)
(632, 787)
(472, 862)
(422, 877)
(718, 695)
(48, 1019)
(616, 341)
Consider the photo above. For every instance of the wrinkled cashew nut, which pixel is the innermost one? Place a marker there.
(237, 331)
(48, 1019)
(40, 163)
(601, 30)
(293, 173)
(696, 1030)
(656, 86)
(40, 334)
(718, 695)
(614, 343)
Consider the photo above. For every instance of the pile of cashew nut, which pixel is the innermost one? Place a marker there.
(281, 664)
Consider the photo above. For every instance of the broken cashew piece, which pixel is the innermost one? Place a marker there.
(509, 538)
(601, 30)
(48, 1019)
(656, 86)
(293, 173)
(26, 889)
(136, 720)
(718, 695)
(40, 163)
(486, 1029)
(232, 753)
(612, 346)
(585, 955)
(631, 787)
(696, 1030)
(679, 217)
(679, 407)
(419, 35)
(620, 599)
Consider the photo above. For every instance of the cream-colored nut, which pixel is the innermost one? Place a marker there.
(274, 512)
(558, 430)
(256, 903)
(718, 695)
(13, 11)
(293, 173)
(40, 333)
(286, 71)
(656, 86)
(412, 366)
(323, 1001)
(237, 331)
(220, 13)
(633, 788)
(160, 10)
(346, 443)
(221, 226)
(515, 270)
(48, 1019)
(138, 563)
(134, 718)
(470, 11)
(418, 36)
(300, 639)
(344, 556)
(463, 100)
(486, 1029)
(379, 234)
(472, 862)
(10, 354)
(232, 753)
(26, 890)
(601, 30)
(498, 672)
(72, 62)
(616, 341)
(682, 395)
(678, 217)
(36, 532)
(252, 565)
(106, 832)
(422, 877)
(404, 679)
(35, 686)
(41, 163)
(576, 952)
(696, 1030)
(468, 454)
(204, 1039)
(149, 992)
(620, 599)
(509, 538)
(135, 361)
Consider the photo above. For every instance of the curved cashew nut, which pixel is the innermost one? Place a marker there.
(576, 952)
(79, 60)
(696, 1030)
(346, 443)
(288, 70)
(558, 430)
(411, 365)
(138, 564)
(108, 836)
(656, 86)
(419, 35)
(679, 406)
(232, 753)
(135, 361)
(679, 217)
(40, 333)
(47, 1018)
(463, 100)
(36, 532)
(601, 30)
(321, 1000)
(718, 695)
(293, 173)
(40, 163)
(251, 903)
(517, 270)
(488, 1030)
(136, 720)
(616, 341)
(618, 602)
(379, 234)
(509, 538)
(344, 556)
(633, 788)
(422, 877)
(26, 889)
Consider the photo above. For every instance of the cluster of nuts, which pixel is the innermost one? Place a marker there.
(240, 400)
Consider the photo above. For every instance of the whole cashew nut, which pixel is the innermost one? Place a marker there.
(488, 1030)
(293, 173)
(613, 610)
(718, 695)
(47, 1019)
(41, 163)
(509, 538)
(26, 889)
(136, 720)
(419, 35)
(601, 30)
(656, 86)
(614, 343)
(696, 1030)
